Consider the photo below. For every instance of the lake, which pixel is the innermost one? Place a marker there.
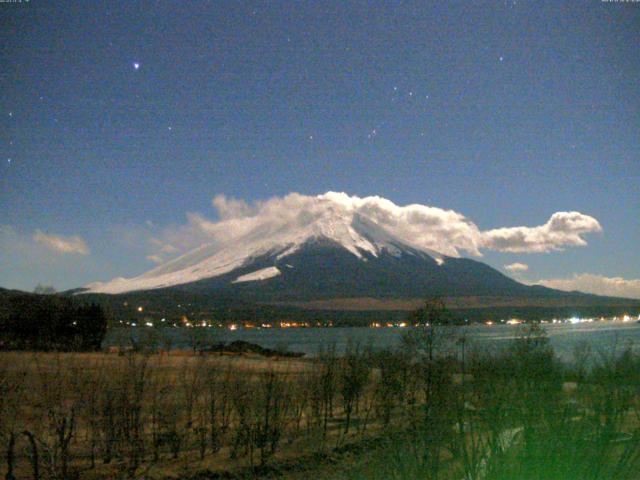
(604, 337)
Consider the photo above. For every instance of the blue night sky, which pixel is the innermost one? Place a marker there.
(119, 118)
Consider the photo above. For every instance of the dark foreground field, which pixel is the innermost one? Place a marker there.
(434, 409)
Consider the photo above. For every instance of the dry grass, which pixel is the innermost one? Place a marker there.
(113, 416)
(364, 415)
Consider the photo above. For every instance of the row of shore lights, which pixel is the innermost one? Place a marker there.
(512, 321)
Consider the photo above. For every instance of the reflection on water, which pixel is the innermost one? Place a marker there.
(604, 337)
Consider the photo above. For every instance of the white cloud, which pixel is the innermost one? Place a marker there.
(160, 244)
(24, 262)
(563, 229)
(155, 259)
(516, 267)
(597, 284)
(445, 231)
(231, 208)
(61, 244)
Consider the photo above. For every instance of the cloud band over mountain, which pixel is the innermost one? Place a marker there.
(445, 231)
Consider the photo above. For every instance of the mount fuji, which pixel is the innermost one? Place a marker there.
(334, 253)
(339, 253)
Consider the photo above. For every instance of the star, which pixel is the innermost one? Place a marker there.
(310, 137)
(501, 58)
(10, 114)
(8, 160)
(136, 65)
(170, 128)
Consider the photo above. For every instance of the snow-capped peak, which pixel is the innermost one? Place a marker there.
(331, 219)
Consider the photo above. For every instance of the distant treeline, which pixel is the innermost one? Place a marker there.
(174, 305)
(463, 316)
(51, 322)
(345, 318)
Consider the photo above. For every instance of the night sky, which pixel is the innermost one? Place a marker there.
(119, 118)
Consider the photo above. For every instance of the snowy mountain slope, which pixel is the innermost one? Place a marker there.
(324, 269)
(331, 250)
(262, 274)
(359, 236)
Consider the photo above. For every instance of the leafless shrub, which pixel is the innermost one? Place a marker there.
(354, 370)
(136, 410)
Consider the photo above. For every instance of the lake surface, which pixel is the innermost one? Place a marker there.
(603, 337)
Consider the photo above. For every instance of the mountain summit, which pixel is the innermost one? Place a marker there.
(334, 245)
(333, 226)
